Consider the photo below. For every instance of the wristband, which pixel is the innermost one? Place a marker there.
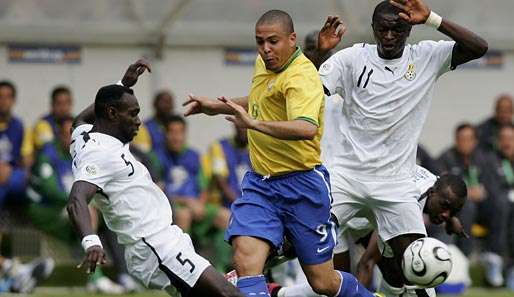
(434, 20)
(91, 240)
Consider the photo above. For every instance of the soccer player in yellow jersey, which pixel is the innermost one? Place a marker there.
(287, 192)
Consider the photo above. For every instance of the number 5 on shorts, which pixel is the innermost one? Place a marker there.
(185, 261)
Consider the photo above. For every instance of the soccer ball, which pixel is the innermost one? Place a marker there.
(427, 262)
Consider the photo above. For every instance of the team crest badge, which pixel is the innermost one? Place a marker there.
(91, 170)
(410, 75)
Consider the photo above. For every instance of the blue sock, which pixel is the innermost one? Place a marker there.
(351, 287)
(254, 286)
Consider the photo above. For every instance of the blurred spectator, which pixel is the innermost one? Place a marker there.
(424, 159)
(151, 135)
(15, 148)
(50, 185)
(488, 130)
(46, 128)
(16, 277)
(230, 162)
(185, 187)
(505, 178)
(473, 165)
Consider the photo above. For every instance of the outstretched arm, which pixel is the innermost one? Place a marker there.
(328, 38)
(469, 46)
(198, 104)
(87, 116)
(286, 130)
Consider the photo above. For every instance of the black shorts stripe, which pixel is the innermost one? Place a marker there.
(175, 281)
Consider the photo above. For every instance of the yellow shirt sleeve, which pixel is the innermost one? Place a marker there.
(219, 163)
(304, 96)
(143, 141)
(27, 146)
(42, 134)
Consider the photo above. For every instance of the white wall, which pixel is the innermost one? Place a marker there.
(461, 95)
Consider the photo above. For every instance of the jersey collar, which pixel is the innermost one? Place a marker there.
(392, 62)
(295, 55)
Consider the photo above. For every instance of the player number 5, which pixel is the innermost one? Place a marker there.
(185, 261)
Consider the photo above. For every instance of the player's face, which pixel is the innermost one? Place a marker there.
(128, 121)
(466, 141)
(274, 44)
(62, 105)
(164, 104)
(175, 136)
(506, 141)
(504, 110)
(391, 34)
(441, 205)
(6, 100)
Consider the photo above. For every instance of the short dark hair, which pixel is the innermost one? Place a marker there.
(277, 16)
(10, 85)
(463, 126)
(172, 119)
(107, 96)
(57, 91)
(454, 183)
(161, 93)
(384, 7)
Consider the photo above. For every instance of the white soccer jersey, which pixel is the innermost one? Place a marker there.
(133, 206)
(385, 105)
(424, 180)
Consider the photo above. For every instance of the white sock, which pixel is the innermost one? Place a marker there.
(301, 290)
(389, 291)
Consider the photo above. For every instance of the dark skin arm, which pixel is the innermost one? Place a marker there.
(81, 194)
(87, 116)
(328, 38)
(469, 46)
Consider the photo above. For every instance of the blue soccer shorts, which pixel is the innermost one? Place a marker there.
(295, 205)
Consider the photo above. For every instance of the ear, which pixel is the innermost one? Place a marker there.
(292, 39)
(112, 113)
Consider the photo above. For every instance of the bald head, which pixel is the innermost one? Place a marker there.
(504, 109)
(275, 16)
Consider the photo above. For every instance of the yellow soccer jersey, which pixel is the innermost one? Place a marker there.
(294, 92)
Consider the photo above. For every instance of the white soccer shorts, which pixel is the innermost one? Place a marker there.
(390, 205)
(164, 259)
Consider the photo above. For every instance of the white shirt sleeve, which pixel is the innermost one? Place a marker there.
(96, 167)
(332, 71)
(440, 53)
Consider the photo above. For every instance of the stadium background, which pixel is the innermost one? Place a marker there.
(187, 42)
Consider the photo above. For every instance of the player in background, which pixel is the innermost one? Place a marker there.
(151, 134)
(46, 129)
(158, 253)
(441, 198)
(287, 192)
(16, 149)
(387, 89)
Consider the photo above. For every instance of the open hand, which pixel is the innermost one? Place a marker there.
(330, 34)
(134, 71)
(241, 118)
(413, 11)
(94, 256)
(197, 105)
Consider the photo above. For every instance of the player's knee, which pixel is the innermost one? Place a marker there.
(323, 285)
(249, 256)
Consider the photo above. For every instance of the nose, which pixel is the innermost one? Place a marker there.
(445, 215)
(138, 122)
(267, 48)
(389, 34)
